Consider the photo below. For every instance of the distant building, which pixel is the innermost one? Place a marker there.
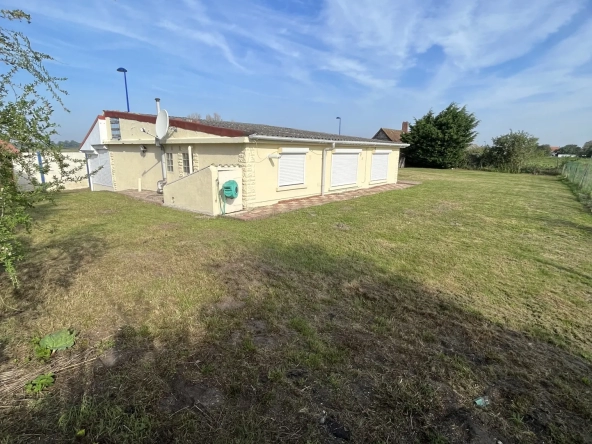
(393, 135)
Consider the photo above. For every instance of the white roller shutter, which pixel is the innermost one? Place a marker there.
(291, 169)
(344, 169)
(379, 165)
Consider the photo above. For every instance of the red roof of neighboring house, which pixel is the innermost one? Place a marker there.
(393, 134)
(7, 146)
(554, 148)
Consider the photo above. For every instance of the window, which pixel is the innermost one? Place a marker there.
(344, 167)
(115, 130)
(291, 167)
(185, 163)
(169, 162)
(380, 160)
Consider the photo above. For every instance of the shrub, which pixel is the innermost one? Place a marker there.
(511, 152)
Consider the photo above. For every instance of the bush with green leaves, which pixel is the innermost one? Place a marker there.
(511, 152)
(441, 141)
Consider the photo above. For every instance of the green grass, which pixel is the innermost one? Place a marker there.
(471, 284)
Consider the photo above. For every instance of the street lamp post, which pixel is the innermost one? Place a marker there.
(124, 71)
(339, 118)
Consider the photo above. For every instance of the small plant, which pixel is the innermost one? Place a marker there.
(517, 418)
(41, 353)
(59, 340)
(40, 383)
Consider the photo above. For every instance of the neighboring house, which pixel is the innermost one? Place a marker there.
(197, 158)
(23, 178)
(393, 135)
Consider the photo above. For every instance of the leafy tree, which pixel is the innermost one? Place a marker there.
(27, 91)
(68, 144)
(441, 140)
(512, 151)
(570, 149)
(587, 149)
(545, 149)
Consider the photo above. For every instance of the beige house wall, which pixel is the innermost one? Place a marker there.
(128, 165)
(97, 187)
(261, 176)
(196, 192)
(132, 130)
(227, 154)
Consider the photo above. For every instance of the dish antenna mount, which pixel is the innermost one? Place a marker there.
(162, 124)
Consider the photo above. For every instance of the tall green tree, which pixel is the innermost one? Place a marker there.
(545, 149)
(27, 96)
(587, 149)
(570, 149)
(511, 152)
(441, 141)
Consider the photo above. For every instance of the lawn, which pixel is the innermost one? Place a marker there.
(379, 319)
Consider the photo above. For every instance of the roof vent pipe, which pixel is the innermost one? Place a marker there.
(157, 105)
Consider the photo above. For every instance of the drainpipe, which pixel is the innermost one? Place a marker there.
(90, 182)
(161, 183)
(324, 167)
(40, 162)
(190, 160)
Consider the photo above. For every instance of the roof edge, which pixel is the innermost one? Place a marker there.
(327, 141)
(183, 124)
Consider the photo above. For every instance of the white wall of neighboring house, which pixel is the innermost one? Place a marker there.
(54, 170)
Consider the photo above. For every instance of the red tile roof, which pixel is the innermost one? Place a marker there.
(7, 146)
(392, 134)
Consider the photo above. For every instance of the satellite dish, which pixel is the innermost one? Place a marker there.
(162, 124)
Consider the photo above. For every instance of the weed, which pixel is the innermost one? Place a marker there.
(586, 381)
(40, 383)
(207, 369)
(276, 375)
(302, 327)
(517, 419)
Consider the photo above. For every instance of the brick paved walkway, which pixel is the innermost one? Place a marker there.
(296, 204)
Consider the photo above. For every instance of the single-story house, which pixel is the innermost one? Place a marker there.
(393, 135)
(216, 167)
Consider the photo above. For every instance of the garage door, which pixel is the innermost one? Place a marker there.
(344, 167)
(380, 160)
(103, 175)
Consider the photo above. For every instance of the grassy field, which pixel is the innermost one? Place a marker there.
(379, 319)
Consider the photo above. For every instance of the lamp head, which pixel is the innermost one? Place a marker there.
(121, 70)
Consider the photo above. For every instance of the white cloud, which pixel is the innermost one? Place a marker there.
(369, 48)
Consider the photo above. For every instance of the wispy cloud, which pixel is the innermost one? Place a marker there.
(508, 60)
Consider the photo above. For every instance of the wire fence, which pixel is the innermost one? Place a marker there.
(580, 174)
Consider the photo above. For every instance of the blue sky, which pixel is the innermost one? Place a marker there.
(520, 65)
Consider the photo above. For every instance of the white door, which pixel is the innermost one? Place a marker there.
(379, 166)
(344, 168)
(103, 175)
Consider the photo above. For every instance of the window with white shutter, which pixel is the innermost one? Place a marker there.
(379, 165)
(344, 168)
(291, 169)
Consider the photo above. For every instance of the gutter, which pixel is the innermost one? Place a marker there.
(325, 141)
